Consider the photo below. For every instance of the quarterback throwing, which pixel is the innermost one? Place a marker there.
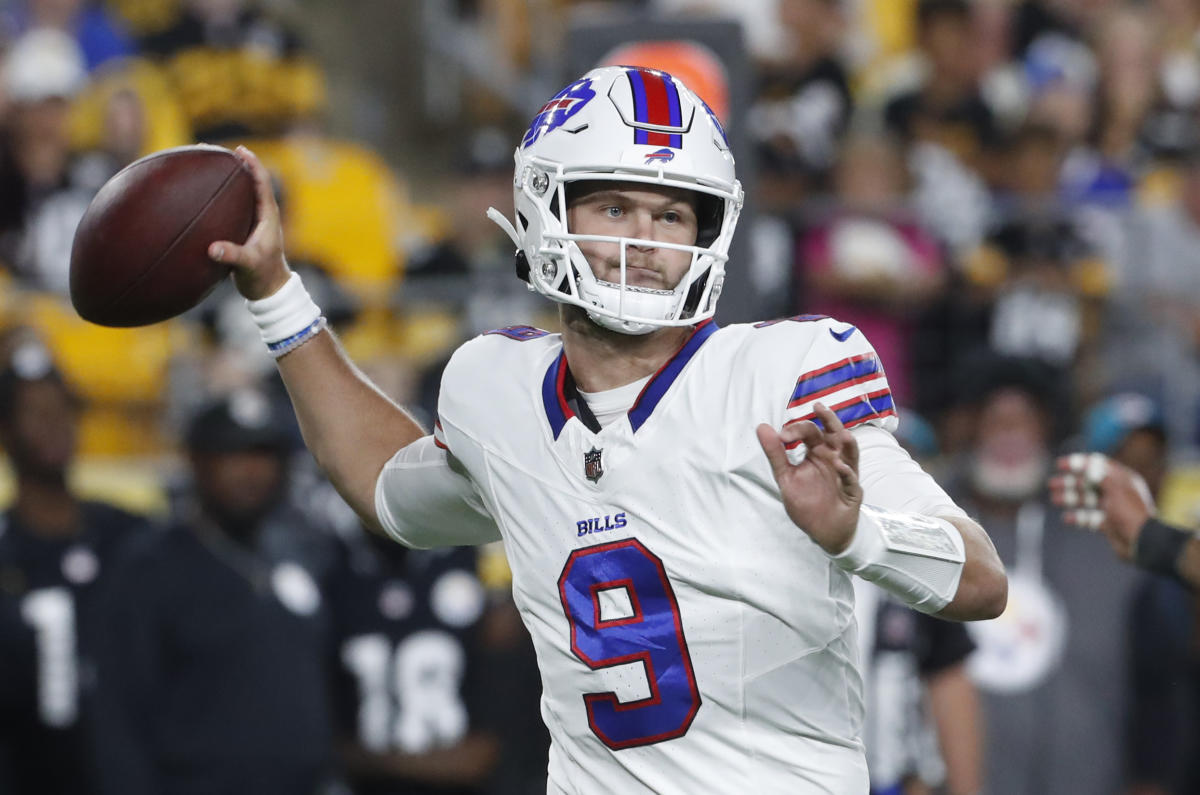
(682, 505)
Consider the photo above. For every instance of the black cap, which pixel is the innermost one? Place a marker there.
(246, 419)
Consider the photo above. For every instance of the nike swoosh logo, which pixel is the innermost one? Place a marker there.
(842, 336)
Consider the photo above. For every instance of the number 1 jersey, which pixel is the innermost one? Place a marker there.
(690, 637)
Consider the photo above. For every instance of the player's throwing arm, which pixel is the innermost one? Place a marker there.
(946, 566)
(350, 427)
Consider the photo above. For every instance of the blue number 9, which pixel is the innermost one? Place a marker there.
(652, 635)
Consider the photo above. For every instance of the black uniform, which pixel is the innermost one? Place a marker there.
(48, 594)
(907, 649)
(408, 675)
(212, 674)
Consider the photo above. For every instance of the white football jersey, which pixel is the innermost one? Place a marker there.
(690, 637)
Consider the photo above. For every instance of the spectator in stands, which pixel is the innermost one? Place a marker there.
(947, 107)
(100, 37)
(1002, 80)
(1153, 335)
(1131, 428)
(869, 262)
(1104, 173)
(212, 675)
(1052, 667)
(802, 104)
(144, 17)
(238, 70)
(56, 554)
(40, 200)
(1043, 279)
(946, 125)
(418, 707)
(765, 38)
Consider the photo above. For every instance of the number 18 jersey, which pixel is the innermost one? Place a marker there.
(690, 637)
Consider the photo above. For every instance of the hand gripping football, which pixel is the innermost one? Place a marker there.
(140, 252)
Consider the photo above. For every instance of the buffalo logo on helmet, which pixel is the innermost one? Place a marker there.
(593, 469)
(562, 106)
(664, 155)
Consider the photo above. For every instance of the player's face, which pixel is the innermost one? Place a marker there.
(238, 489)
(42, 436)
(632, 210)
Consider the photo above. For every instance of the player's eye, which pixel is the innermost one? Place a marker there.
(613, 211)
(672, 217)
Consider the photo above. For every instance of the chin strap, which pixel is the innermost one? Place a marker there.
(522, 263)
(501, 221)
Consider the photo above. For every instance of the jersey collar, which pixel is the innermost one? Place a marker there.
(562, 401)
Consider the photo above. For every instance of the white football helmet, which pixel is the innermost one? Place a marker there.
(625, 124)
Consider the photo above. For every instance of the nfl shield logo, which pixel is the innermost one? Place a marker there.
(592, 468)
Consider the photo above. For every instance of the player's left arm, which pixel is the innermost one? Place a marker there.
(983, 588)
(945, 565)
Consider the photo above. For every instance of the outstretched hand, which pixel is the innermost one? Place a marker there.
(821, 494)
(259, 268)
(1098, 493)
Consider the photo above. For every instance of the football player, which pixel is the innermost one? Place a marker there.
(411, 691)
(56, 556)
(211, 664)
(687, 585)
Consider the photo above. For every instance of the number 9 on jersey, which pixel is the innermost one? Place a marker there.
(649, 630)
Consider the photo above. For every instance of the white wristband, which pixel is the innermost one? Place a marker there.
(917, 558)
(287, 312)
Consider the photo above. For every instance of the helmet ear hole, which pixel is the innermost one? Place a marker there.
(710, 214)
(692, 302)
(522, 266)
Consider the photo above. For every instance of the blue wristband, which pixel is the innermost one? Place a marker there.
(277, 349)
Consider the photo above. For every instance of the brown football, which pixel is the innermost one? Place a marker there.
(141, 251)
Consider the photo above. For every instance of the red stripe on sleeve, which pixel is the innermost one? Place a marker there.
(852, 424)
(829, 390)
(835, 365)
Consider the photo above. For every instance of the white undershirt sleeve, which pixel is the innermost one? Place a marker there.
(892, 480)
(422, 501)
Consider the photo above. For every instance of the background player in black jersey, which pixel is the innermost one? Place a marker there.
(56, 552)
(415, 700)
(212, 675)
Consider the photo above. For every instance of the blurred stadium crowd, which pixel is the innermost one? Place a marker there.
(1004, 195)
